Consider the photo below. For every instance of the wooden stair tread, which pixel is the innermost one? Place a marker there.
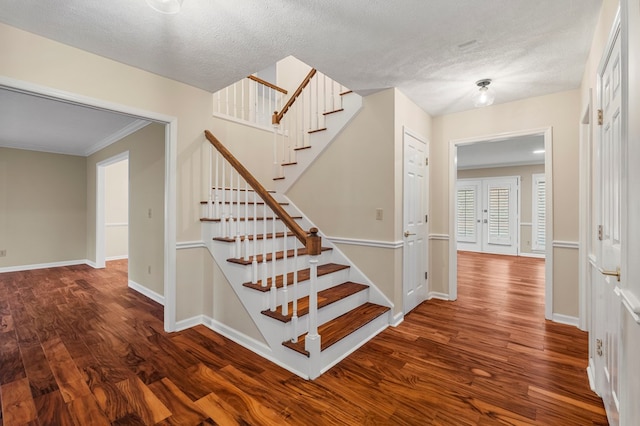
(303, 275)
(339, 328)
(260, 203)
(302, 147)
(325, 298)
(293, 163)
(346, 93)
(279, 178)
(242, 219)
(317, 130)
(279, 255)
(259, 236)
(333, 112)
(271, 191)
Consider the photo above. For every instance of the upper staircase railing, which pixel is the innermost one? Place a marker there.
(236, 210)
(250, 100)
(304, 114)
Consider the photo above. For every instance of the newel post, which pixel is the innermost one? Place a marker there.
(312, 341)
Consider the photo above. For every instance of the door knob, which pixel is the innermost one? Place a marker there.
(407, 233)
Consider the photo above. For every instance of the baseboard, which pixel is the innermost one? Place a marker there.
(437, 295)
(45, 265)
(117, 258)
(397, 319)
(91, 263)
(565, 319)
(247, 342)
(591, 376)
(190, 322)
(146, 292)
(535, 255)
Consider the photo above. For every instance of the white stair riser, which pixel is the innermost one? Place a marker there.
(236, 211)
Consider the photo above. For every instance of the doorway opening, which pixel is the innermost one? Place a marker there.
(486, 205)
(169, 166)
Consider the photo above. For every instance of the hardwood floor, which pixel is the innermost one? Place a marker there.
(78, 347)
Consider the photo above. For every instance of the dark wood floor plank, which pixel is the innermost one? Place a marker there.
(144, 402)
(52, 410)
(17, 403)
(183, 410)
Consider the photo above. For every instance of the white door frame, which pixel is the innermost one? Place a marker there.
(101, 205)
(170, 172)
(585, 223)
(546, 132)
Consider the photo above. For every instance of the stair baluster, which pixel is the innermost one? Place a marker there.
(238, 241)
(254, 261)
(294, 313)
(223, 219)
(265, 269)
(246, 221)
(285, 276)
(274, 289)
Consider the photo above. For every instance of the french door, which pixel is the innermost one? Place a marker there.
(487, 215)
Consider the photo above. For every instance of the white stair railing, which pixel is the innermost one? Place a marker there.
(251, 100)
(273, 212)
(303, 114)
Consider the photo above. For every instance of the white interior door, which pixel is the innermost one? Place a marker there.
(469, 215)
(500, 216)
(605, 279)
(415, 209)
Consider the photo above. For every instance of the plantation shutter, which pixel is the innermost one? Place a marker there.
(466, 221)
(498, 215)
(538, 214)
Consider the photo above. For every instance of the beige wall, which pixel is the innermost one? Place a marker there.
(146, 189)
(363, 168)
(525, 173)
(42, 207)
(37, 60)
(561, 112)
(116, 215)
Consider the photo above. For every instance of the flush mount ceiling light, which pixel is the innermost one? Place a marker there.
(165, 6)
(484, 96)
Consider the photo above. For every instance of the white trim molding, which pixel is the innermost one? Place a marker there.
(116, 224)
(146, 292)
(534, 255)
(566, 244)
(122, 257)
(34, 266)
(116, 136)
(439, 237)
(366, 243)
(397, 319)
(437, 295)
(566, 319)
(183, 245)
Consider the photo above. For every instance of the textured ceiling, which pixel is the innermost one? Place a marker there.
(40, 124)
(432, 50)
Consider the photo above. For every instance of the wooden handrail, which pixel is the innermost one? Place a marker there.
(312, 242)
(266, 83)
(277, 116)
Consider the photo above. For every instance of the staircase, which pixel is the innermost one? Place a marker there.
(312, 306)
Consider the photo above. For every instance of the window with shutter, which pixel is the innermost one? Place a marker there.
(538, 230)
(498, 215)
(466, 221)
